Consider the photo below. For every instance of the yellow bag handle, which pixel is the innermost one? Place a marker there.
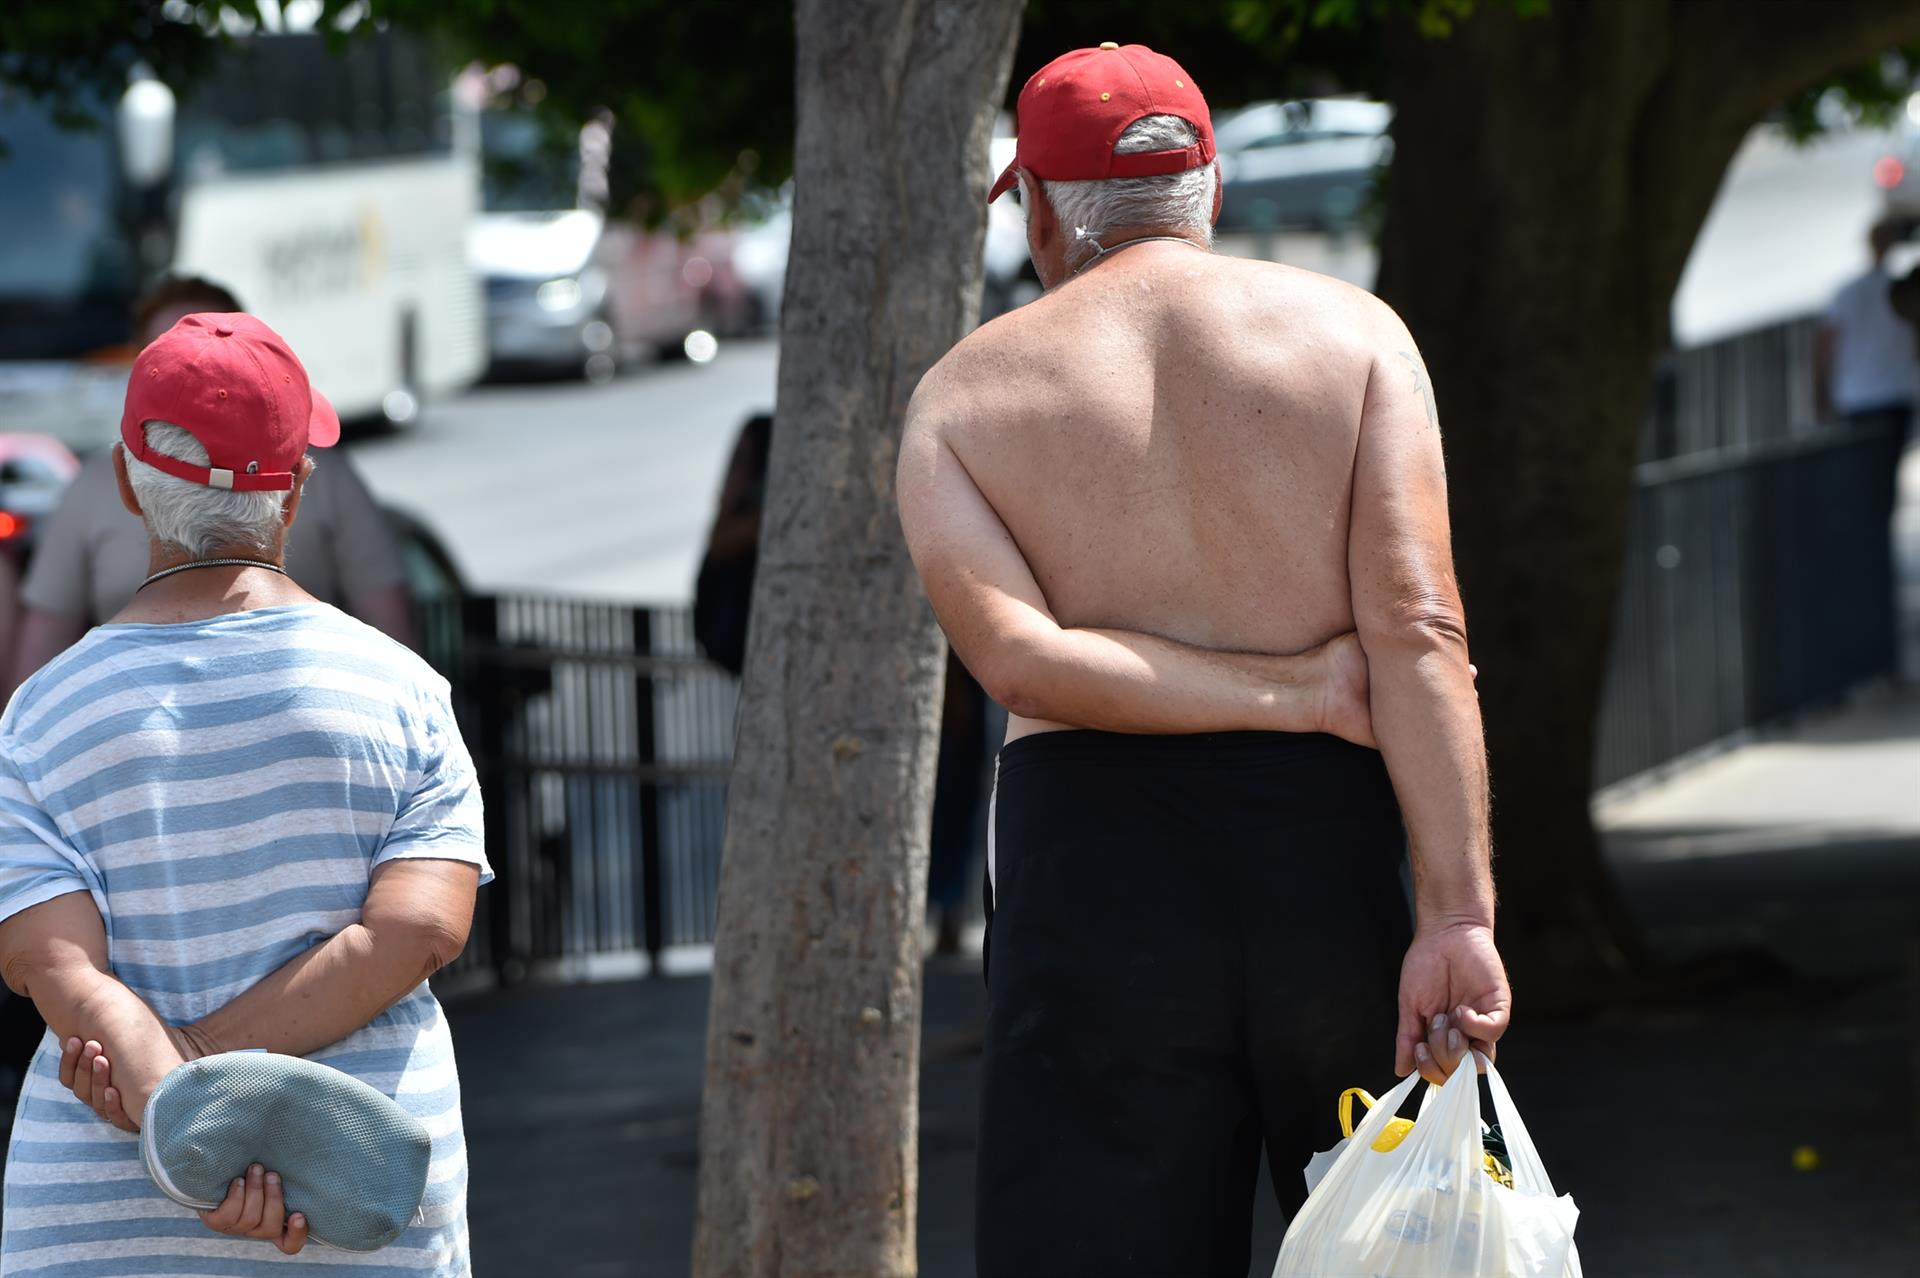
(1389, 1139)
(1397, 1129)
(1346, 1108)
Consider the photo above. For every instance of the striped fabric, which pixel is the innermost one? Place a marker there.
(224, 789)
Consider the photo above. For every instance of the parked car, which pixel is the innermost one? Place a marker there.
(569, 289)
(1310, 163)
(34, 471)
(759, 258)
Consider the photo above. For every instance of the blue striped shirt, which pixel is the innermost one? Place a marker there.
(225, 789)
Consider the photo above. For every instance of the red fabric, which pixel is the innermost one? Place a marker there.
(1076, 107)
(234, 385)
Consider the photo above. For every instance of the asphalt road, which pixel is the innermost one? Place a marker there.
(562, 487)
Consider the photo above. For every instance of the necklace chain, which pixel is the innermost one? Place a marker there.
(212, 563)
(1101, 250)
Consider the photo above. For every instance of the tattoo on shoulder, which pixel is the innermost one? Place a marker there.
(1420, 384)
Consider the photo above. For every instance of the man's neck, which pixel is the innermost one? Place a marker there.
(1112, 242)
(203, 586)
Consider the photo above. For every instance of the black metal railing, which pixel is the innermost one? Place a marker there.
(1757, 583)
(602, 741)
(1745, 391)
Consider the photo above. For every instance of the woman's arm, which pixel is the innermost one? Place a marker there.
(415, 922)
(55, 953)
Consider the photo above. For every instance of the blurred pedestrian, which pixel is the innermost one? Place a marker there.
(722, 601)
(91, 553)
(1865, 359)
(1118, 497)
(723, 591)
(271, 802)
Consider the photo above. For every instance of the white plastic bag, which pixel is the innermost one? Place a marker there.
(1427, 1208)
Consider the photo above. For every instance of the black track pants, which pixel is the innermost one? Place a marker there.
(1194, 946)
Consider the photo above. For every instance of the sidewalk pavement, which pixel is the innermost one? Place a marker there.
(1674, 1123)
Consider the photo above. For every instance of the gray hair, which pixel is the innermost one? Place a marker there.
(1176, 201)
(193, 518)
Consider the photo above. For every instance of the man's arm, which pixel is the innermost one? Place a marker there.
(998, 621)
(415, 922)
(40, 637)
(388, 609)
(1407, 610)
(356, 535)
(55, 953)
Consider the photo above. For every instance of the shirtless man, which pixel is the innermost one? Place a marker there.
(1199, 933)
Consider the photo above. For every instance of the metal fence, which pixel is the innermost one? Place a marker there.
(1757, 583)
(1755, 388)
(602, 741)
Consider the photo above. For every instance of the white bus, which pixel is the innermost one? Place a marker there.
(330, 193)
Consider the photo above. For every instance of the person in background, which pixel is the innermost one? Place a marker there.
(1864, 357)
(724, 588)
(1868, 368)
(722, 596)
(93, 553)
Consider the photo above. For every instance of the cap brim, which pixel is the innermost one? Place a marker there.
(323, 424)
(1008, 176)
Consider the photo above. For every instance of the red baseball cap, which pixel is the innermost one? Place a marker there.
(233, 384)
(1076, 107)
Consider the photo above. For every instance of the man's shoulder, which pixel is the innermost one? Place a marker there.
(368, 643)
(1296, 290)
(951, 388)
(86, 671)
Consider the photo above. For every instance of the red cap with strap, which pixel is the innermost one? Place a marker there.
(235, 385)
(1076, 107)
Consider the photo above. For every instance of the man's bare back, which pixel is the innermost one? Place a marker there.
(1128, 502)
(1169, 437)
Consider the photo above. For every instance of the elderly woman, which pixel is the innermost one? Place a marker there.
(231, 817)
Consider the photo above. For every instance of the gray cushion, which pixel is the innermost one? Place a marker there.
(349, 1158)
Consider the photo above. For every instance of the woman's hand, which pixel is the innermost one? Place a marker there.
(254, 1208)
(89, 1074)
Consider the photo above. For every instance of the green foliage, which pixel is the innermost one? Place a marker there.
(1871, 94)
(77, 53)
(701, 91)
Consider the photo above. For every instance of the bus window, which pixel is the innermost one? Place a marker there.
(285, 101)
(66, 269)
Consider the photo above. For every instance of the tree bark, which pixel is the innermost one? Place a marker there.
(809, 1141)
(1549, 177)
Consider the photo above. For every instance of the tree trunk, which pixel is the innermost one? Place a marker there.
(809, 1146)
(1549, 178)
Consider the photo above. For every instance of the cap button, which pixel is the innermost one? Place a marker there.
(1108, 44)
(221, 330)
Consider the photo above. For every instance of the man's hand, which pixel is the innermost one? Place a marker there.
(254, 1208)
(1346, 694)
(89, 1074)
(1453, 995)
(1346, 710)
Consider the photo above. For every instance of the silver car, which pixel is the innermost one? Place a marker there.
(1308, 163)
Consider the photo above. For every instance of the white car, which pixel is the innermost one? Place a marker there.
(760, 252)
(1307, 163)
